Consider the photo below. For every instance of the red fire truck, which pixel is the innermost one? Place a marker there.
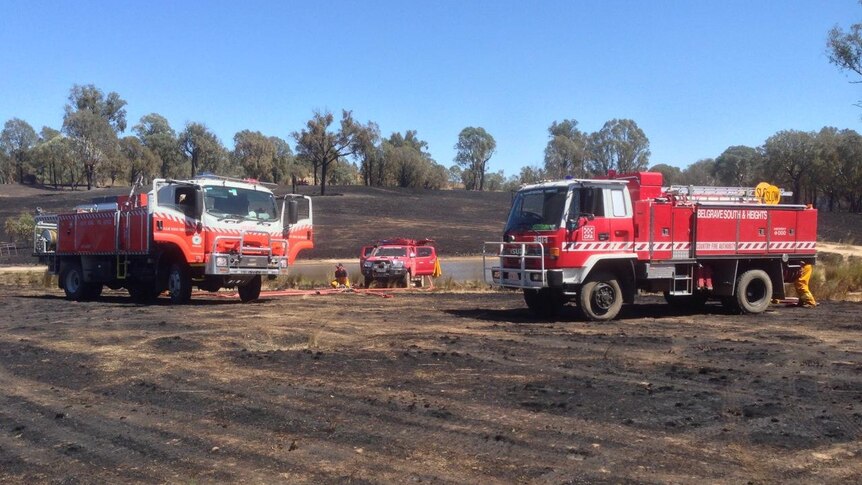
(597, 242)
(209, 232)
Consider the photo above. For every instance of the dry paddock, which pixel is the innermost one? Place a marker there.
(423, 388)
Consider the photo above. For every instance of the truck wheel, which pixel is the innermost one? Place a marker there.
(753, 291)
(73, 282)
(179, 283)
(600, 298)
(250, 291)
(369, 282)
(405, 281)
(544, 303)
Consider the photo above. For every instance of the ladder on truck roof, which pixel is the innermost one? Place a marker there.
(763, 193)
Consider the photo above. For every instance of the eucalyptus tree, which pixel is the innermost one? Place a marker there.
(738, 166)
(370, 153)
(474, 149)
(255, 154)
(322, 147)
(202, 149)
(620, 145)
(701, 172)
(92, 121)
(155, 133)
(791, 156)
(566, 150)
(142, 162)
(16, 141)
(670, 175)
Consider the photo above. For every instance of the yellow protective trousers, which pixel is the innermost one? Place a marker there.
(802, 290)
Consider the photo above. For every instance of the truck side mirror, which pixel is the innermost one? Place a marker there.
(292, 211)
(199, 203)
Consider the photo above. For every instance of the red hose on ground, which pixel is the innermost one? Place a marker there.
(381, 292)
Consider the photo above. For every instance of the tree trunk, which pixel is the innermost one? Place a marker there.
(323, 178)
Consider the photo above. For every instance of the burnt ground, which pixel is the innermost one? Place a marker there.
(346, 219)
(423, 388)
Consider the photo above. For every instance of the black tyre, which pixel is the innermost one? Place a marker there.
(369, 282)
(404, 281)
(179, 283)
(600, 298)
(545, 302)
(72, 279)
(251, 290)
(753, 291)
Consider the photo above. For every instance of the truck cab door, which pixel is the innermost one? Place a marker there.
(364, 253)
(619, 214)
(426, 257)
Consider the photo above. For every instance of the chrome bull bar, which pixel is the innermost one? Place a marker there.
(240, 262)
(495, 272)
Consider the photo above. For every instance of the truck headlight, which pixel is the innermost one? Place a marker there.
(221, 261)
(398, 264)
(366, 264)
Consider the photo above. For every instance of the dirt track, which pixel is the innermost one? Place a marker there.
(423, 388)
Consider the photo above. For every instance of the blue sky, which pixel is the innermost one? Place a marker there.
(697, 76)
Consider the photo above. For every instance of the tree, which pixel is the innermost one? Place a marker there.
(407, 163)
(255, 153)
(454, 176)
(850, 153)
(92, 121)
(566, 150)
(156, 134)
(285, 166)
(20, 229)
(202, 149)
(370, 153)
(790, 155)
(620, 145)
(701, 172)
(322, 147)
(140, 160)
(16, 140)
(7, 171)
(845, 49)
(670, 175)
(474, 148)
(738, 166)
(495, 181)
(531, 175)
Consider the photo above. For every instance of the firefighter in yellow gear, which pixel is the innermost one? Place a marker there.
(806, 299)
(341, 279)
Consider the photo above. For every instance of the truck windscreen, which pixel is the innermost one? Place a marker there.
(538, 210)
(233, 202)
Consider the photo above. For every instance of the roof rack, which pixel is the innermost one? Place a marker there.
(728, 194)
(209, 175)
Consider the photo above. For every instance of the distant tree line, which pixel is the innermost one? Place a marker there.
(90, 149)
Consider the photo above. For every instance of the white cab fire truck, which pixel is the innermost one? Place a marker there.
(598, 241)
(210, 232)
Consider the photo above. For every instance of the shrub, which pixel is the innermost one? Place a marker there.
(20, 229)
